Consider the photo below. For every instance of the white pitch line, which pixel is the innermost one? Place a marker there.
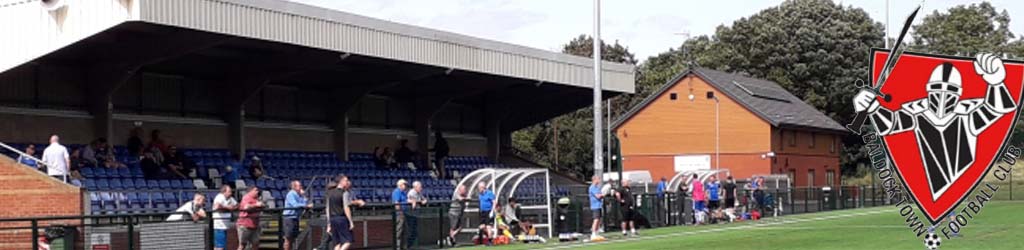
(748, 226)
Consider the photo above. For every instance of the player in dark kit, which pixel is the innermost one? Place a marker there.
(627, 206)
(730, 192)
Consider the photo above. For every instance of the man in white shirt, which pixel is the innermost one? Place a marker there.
(223, 204)
(56, 158)
(194, 208)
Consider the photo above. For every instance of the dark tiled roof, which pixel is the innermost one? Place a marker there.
(765, 98)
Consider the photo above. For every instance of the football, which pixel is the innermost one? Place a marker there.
(932, 241)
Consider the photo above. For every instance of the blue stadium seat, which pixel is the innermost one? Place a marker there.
(88, 172)
(102, 184)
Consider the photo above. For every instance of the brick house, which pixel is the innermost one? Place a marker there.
(763, 129)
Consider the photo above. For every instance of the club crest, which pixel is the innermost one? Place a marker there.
(946, 123)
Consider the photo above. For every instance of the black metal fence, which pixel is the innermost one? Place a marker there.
(377, 225)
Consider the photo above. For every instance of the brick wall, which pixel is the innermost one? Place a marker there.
(25, 192)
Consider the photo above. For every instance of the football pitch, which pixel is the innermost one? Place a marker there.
(998, 226)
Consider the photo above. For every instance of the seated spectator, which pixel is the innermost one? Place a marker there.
(389, 158)
(29, 150)
(157, 145)
(231, 171)
(174, 165)
(404, 155)
(256, 169)
(195, 209)
(134, 144)
(89, 153)
(150, 166)
(77, 163)
(512, 211)
(378, 158)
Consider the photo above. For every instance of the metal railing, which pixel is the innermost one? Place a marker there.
(23, 154)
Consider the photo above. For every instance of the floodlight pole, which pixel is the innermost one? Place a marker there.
(598, 145)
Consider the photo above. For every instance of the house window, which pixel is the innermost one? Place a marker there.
(810, 177)
(830, 177)
(672, 96)
(832, 146)
(793, 138)
(813, 137)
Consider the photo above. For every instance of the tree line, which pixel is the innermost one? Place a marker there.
(816, 49)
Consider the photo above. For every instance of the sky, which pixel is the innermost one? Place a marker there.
(646, 27)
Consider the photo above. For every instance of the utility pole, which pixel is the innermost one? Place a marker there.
(598, 152)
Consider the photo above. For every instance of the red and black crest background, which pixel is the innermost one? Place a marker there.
(906, 83)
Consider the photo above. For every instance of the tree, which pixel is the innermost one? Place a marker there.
(816, 49)
(967, 30)
(964, 30)
(574, 129)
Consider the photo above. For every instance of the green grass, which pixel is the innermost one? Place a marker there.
(997, 227)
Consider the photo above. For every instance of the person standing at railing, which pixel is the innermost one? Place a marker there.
(401, 201)
(596, 203)
(326, 242)
(487, 205)
(30, 150)
(223, 204)
(249, 219)
(730, 197)
(339, 212)
(294, 202)
(57, 159)
(699, 199)
(195, 209)
(460, 200)
(628, 208)
(416, 200)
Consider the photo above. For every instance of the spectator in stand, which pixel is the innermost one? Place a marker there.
(596, 203)
(487, 205)
(294, 202)
(89, 153)
(256, 169)
(134, 144)
(441, 151)
(106, 157)
(389, 158)
(31, 151)
(699, 199)
(195, 208)
(404, 155)
(401, 201)
(75, 169)
(157, 145)
(223, 204)
(174, 165)
(712, 188)
(378, 158)
(57, 159)
(627, 207)
(460, 200)
(416, 200)
(231, 171)
(249, 219)
(150, 166)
